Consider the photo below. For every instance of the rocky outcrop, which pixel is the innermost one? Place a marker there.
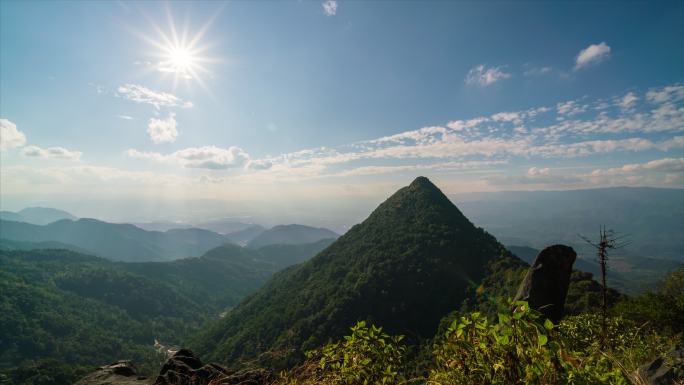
(546, 283)
(117, 373)
(667, 370)
(184, 368)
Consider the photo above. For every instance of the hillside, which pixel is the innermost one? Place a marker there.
(6, 244)
(118, 242)
(242, 237)
(36, 215)
(224, 275)
(81, 309)
(406, 266)
(290, 235)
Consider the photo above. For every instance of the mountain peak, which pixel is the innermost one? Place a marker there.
(422, 182)
(406, 266)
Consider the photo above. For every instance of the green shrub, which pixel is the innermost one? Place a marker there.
(520, 348)
(367, 356)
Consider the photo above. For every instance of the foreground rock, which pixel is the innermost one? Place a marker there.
(118, 373)
(546, 283)
(668, 370)
(184, 368)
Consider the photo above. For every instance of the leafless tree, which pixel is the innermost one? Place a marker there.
(608, 241)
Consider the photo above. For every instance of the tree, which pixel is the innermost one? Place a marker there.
(608, 240)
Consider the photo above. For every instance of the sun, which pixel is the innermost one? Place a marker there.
(180, 60)
(178, 54)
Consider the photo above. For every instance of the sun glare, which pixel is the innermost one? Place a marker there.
(179, 55)
(179, 60)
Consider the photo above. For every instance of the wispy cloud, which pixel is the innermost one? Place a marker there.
(482, 76)
(486, 148)
(207, 157)
(51, 153)
(443, 166)
(538, 71)
(329, 7)
(584, 130)
(163, 130)
(661, 165)
(594, 53)
(141, 94)
(628, 101)
(10, 136)
(669, 94)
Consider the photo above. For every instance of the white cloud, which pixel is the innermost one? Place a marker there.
(503, 136)
(536, 171)
(571, 108)
(10, 137)
(673, 93)
(329, 7)
(207, 157)
(658, 165)
(163, 130)
(257, 165)
(507, 117)
(444, 166)
(140, 94)
(479, 75)
(628, 101)
(595, 53)
(51, 153)
(125, 117)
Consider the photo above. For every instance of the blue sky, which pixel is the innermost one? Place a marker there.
(282, 101)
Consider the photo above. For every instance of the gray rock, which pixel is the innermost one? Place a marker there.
(667, 370)
(118, 373)
(546, 283)
(184, 368)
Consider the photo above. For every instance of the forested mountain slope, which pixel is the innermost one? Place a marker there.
(404, 267)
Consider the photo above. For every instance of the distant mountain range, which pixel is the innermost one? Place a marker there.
(649, 218)
(242, 237)
(125, 242)
(36, 215)
(118, 242)
(221, 226)
(291, 235)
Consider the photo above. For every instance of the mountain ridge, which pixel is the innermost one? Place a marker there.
(36, 215)
(291, 234)
(415, 246)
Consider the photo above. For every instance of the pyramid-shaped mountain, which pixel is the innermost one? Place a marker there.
(403, 268)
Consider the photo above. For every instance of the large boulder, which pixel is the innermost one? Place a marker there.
(546, 283)
(667, 370)
(117, 373)
(184, 368)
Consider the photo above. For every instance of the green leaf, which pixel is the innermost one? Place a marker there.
(548, 324)
(542, 339)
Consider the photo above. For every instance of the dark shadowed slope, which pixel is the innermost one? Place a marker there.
(404, 267)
